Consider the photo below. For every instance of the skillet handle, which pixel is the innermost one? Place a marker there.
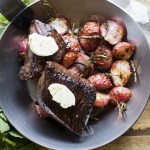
(10, 8)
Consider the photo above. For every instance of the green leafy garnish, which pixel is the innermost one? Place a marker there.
(10, 139)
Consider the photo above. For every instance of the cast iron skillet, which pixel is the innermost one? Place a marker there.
(14, 94)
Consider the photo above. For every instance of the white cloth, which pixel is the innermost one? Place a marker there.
(139, 10)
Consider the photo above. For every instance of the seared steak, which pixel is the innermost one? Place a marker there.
(74, 118)
(47, 30)
(33, 65)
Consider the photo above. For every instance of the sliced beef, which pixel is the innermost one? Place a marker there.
(47, 30)
(33, 65)
(74, 118)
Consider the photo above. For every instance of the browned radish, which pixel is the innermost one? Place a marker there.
(82, 61)
(23, 46)
(119, 94)
(74, 70)
(69, 59)
(120, 72)
(60, 24)
(41, 112)
(123, 50)
(102, 99)
(88, 34)
(103, 57)
(72, 44)
(113, 32)
(100, 81)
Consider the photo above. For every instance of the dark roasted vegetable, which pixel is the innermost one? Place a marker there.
(102, 57)
(87, 42)
(69, 59)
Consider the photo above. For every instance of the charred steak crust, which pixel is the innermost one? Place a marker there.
(75, 117)
(33, 66)
(47, 30)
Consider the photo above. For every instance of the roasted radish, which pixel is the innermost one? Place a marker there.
(123, 50)
(119, 94)
(89, 36)
(120, 72)
(102, 57)
(74, 70)
(102, 99)
(69, 59)
(83, 63)
(101, 81)
(113, 32)
(23, 46)
(41, 112)
(72, 44)
(60, 24)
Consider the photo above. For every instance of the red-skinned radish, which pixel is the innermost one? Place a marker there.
(119, 94)
(102, 57)
(102, 99)
(60, 24)
(123, 51)
(74, 70)
(89, 36)
(120, 72)
(72, 44)
(112, 32)
(69, 59)
(41, 112)
(23, 46)
(83, 63)
(101, 81)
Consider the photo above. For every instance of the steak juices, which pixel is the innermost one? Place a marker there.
(73, 68)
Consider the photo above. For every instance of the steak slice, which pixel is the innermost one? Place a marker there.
(74, 118)
(33, 65)
(47, 30)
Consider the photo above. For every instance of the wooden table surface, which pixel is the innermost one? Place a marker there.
(137, 138)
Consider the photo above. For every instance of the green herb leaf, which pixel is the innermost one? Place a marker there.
(2, 116)
(5, 141)
(15, 134)
(3, 20)
(4, 127)
(26, 2)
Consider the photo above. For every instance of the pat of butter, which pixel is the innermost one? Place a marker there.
(42, 45)
(62, 95)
